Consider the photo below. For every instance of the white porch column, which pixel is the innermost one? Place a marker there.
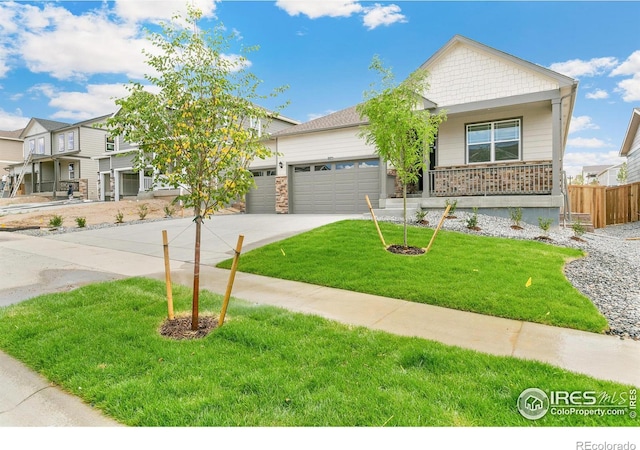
(556, 143)
(141, 181)
(116, 185)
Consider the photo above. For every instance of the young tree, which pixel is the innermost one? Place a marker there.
(399, 126)
(622, 173)
(195, 124)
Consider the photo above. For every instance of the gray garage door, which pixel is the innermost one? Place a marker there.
(335, 187)
(262, 199)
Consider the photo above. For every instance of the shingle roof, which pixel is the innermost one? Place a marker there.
(51, 125)
(341, 119)
(15, 134)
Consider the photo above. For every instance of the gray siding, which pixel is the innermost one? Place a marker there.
(104, 165)
(124, 145)
(633, 167)
(122, 161)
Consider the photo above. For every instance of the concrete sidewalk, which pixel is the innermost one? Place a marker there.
(33, 265)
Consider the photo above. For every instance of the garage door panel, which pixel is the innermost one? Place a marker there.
(341, 189)
(262, 198)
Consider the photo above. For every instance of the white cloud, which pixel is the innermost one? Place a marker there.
(581, 123)
(4, 65)
(630, 88)
(160, 10)
(382, 15)
(12, 121)
(68, 46)
(97, 100)
(578, 67)
(372, 16)
(587, 143)
(314, 9)
(630, 67)
(598, 94)
(575, 161)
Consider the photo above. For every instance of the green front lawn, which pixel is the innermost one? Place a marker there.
(267, 367)
(471, 273)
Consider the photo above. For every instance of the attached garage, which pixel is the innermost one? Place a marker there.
(334, 187)
(262, 199)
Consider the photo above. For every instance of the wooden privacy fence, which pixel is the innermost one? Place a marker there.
(607, 205)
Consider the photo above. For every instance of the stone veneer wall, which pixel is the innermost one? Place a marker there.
(282, 195)
(83, 187)
(397, 185)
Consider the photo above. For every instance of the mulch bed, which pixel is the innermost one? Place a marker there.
(516, 227)
(402, 250)
(475, 228)
(579, 239)
(543, 238)
(180, 327)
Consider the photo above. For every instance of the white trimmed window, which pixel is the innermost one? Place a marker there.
(41, 146)
(494, 141)
(61, 142)
(70, 140)
(111, 144)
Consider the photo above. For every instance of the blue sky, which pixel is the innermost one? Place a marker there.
(67, 60)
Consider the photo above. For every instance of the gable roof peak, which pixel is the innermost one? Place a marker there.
(563, 80)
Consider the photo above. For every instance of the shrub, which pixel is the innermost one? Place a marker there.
(56, 221)
(169, 211)
(472, 221)
(119, 217)
(545, 224)
(81, 222)
(515, 214)
(420, 215)
(578, 228)
(143, 210)
(453, 205)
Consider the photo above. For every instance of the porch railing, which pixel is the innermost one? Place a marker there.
(63, 185)
(517, 179)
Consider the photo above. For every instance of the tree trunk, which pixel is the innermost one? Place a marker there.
(196, 273)
(404, 204)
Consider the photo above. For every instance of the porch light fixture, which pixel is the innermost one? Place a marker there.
(280, 164)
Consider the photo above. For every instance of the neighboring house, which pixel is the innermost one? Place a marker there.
(603, 175)
(56, 155)
(631, 147)
(609, 176)
(118, 176)
(501, 146)
(10, 152)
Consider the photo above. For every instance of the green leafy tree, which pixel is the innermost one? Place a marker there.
(196, 124)
(622, 173)
(399, 126)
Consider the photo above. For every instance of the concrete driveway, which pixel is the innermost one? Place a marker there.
(61, 262)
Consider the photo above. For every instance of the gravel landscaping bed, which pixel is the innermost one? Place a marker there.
(609, 275)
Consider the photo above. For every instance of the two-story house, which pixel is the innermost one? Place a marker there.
(10, 153)
(59, 155)
(119, 177)
(501, 146)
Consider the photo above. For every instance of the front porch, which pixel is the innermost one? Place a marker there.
(492, 189)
